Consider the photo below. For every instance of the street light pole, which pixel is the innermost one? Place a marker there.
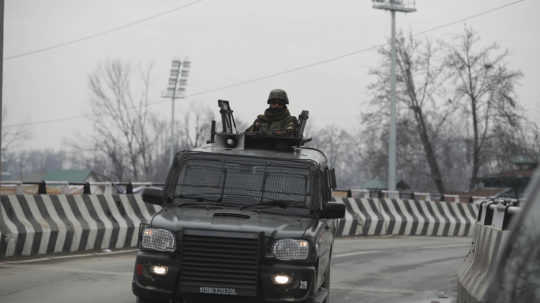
(1, 77)
(393, 139)
(405, 6)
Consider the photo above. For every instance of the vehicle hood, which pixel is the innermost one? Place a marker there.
(272, 225)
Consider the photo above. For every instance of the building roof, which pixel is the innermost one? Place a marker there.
(518, 173)
(34, 177)
(375, 184)
(519, 160)
(486, 192)
(70, 175)
(7, 176)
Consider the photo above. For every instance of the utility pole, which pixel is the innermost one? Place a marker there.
(393, 6)
(176, 90)
(1, 79)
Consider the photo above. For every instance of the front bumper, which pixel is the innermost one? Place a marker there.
(148, 285)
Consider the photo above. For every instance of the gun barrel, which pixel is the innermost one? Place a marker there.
(213, 132)
(227, 118)
(304, 116)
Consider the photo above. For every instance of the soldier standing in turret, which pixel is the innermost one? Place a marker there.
(276, 119)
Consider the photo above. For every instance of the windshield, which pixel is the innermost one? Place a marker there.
(244, 183)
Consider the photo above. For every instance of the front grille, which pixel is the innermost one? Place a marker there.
(219, 263)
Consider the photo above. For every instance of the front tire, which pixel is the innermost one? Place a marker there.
(142, 300)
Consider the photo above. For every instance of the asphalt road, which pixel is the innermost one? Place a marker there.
(387, 270)
(392, 270)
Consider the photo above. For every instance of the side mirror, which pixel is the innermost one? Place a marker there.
(333, 210)
(153, 195)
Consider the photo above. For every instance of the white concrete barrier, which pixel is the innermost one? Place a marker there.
(33, 225)
(490, 236)
(374, 217)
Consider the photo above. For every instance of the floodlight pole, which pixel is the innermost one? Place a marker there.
(173, 138)
(171, 93)
(405, 6)
(175, 90)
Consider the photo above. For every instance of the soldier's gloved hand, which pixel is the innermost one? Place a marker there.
(266, 132)
(277, 133)
(291, 132)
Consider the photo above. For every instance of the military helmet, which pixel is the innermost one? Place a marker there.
(278, 95)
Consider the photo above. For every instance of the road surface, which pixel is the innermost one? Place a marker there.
(386, 270)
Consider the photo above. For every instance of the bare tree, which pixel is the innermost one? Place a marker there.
(125, 131)
(509, 142)
(420, 83)
(195, 129)
(33, 163)
(412, 167)
(12, 136)
(485, 90)
(533, 139)
(342, 151)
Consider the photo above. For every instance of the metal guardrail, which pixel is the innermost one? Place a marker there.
(498, 213)
(381, 194)
(44, 186)
(134, 187)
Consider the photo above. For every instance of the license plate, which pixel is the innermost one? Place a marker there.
(218, 291)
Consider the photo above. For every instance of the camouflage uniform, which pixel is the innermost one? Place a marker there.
(276, 121)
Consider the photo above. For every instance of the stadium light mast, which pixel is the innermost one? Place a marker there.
(404, 6)
(176, 90)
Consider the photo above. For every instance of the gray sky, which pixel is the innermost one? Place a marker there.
(231, 41)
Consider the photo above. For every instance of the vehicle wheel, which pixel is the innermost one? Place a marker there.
(181, 301)
(141, 300)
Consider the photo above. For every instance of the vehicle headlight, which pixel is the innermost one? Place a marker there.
(291, 249)
(158, 239)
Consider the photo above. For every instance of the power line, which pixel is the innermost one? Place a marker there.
(300, 67)
(102, 33)
(286, 71)
(342, 56)
(46, 121)
(480, 14)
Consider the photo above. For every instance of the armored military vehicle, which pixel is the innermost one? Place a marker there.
(246, 218)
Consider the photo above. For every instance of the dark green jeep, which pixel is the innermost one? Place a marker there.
(240, 224)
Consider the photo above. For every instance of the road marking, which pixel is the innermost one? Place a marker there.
(55, 268)
(367, 252)
(357, 253)
(50, 258)
(119, 252)
(376, 290)
(446, 246)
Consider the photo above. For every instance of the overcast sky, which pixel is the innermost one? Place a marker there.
(231, 41)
